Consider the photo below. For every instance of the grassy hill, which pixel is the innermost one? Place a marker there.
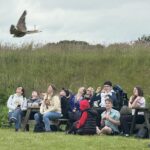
(70, 64)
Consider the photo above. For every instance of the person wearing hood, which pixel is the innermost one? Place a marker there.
(87, 122)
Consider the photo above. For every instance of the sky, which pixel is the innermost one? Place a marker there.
(93, 21)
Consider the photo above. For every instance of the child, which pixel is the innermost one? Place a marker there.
(87, 122)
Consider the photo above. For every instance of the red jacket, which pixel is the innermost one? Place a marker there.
(84, 104)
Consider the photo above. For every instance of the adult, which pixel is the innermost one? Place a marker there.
(50, 108)
(110, 119)
(17, 104)
(137, 100)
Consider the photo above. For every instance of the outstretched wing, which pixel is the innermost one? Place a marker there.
(21, 25)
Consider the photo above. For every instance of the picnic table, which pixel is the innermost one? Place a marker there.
(27, 116)
(59, 122)
(146, 112)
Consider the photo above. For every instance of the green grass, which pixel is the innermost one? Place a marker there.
(74, 65)
(71, 65)
(37, 141)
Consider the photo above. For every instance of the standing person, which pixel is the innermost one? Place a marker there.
(50, 108)
(137, 100)
(110, 119)
(16, 104)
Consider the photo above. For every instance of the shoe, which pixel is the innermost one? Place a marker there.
(16, 130)
(126, 135)
(12, 119)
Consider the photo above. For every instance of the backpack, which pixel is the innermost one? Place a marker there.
(39, 127)
(142, 133)
(122, 98)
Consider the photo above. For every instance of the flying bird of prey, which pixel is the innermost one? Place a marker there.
(21, 30)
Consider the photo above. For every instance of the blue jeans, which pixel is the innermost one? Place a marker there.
(38, 118)
(47, 117)
(16, 115)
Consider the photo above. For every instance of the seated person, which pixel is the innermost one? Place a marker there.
(33, 101)
(105, 92)
(17, 104)
(110, 119)
(64, 97)
(90, 92)
(136, 100)
(74, 105)
(50, 108)
(96, 98)
(87, 122)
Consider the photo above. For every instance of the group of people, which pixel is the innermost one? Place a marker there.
(88, 111)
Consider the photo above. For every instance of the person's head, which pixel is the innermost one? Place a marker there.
(137, 91)
(107, 86)
(81, 90)
(51, 89)
(109, 103)
(84, 104)
(64, 92)
(20, 91)
(34, 94)
(90, 91)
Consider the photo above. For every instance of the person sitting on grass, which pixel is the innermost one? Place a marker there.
(17, 104)
(86, 125)
(110, 120)
(50, 108)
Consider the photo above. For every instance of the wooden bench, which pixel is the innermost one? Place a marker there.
(27, 116)
(146, 116)
(58, 122)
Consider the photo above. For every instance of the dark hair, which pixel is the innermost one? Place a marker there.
(140, 91)
(108, 83)
(23, 92)
(66, 91)
(109, 99)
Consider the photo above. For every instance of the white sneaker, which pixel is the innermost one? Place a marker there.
(126, 135)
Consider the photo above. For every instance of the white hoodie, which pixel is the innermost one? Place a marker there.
(15, 100)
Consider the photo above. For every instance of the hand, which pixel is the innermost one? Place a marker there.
(74, 110)
(107, 117)
(18, 106)
(98, 89)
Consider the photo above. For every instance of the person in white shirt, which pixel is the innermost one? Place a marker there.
(137, 100)
(16, 104)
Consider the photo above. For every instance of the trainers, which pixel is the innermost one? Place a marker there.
(12, 119)
(16, 130)
(126, 135)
